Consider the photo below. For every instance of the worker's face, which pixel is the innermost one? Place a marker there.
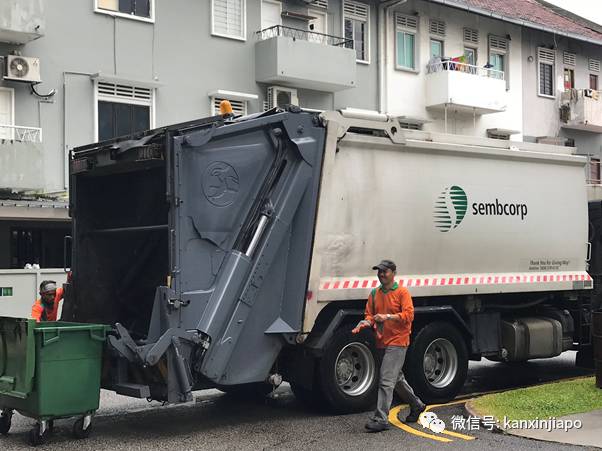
(48, 296)
(385, 276)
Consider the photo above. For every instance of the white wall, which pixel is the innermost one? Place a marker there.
(406, 91)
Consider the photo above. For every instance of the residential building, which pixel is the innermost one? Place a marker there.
(451, 69)
(92, 70)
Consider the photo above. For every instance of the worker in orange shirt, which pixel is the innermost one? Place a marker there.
(46, 307)
(390, 312)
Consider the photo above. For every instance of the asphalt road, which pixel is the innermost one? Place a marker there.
(220, 422)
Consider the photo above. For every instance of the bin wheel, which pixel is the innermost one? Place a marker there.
(5, 422)
(35, 439)
(78, 429)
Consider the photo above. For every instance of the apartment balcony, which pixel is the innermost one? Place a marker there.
(304, 59)
(466, 88)
(21, 21)
(581, 109)
(21, 151)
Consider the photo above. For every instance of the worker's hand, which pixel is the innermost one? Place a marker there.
(361, 325)
(380, 318)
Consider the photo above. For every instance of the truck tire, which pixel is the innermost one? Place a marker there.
(437, 363)
(348, 372)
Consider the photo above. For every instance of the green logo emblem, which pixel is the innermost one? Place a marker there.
(450, 208)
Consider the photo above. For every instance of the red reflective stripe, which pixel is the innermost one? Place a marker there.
(503, 279)
(346, 284)
(336, 285)
(374, 283)
(418, 282)
(327, 285)
(356, 283)
(426, 282)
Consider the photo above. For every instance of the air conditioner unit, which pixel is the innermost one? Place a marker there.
(280, 97)
(22, 68)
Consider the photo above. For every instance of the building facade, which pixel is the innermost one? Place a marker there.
(91, 70)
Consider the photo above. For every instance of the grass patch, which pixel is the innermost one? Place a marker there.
(550, 400)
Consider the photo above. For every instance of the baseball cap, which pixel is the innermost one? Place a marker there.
(386, 264)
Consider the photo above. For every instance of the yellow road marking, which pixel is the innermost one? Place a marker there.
(393, 419)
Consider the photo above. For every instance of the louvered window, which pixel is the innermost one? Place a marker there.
(406, 28)
(546, 59)
(320, 3)
(410, 125)
(125, 92)
(123, 110)
(356, 28)
(228, 17)
(239, 107)
(569, 59)
(471, 35)
(437, 27)
(594, 65)
(498, 44)
(409, 22)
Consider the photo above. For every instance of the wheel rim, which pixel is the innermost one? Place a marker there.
(440, 363)
(355, 369)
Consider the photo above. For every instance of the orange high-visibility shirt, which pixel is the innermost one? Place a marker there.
(37, 310)
(398, 302)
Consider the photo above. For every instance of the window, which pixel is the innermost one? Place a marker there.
(436, 48)
(406, 28)
(470, 56)
(498, 56)
(471, 35)
(228, 18)
(569, 59)
(437, 27)
(356, 20)
(594, 65)
(546, 59)
(6, 291)
(593, 81)
(594, 171)
(569, 78)
(38, 244)
(135, 9)
(320, 3)
(239, 107)
(123, 110)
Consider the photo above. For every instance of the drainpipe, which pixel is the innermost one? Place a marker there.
(383, 54)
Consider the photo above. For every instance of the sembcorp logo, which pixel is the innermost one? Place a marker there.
(450, 208)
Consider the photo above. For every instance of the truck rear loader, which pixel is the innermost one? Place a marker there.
(235, 253)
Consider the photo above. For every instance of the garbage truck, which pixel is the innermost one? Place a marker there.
(236, 252)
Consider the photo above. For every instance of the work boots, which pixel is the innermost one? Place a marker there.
(415, 412)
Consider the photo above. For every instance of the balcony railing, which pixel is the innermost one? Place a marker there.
(21, 134)
(304, 35)
(466, 68)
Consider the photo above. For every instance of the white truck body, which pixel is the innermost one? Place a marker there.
(459, 215)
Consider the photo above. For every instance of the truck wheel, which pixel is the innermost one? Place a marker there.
(347, 372)
(437, 363)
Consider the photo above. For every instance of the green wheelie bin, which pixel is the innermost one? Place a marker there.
(50, 370)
